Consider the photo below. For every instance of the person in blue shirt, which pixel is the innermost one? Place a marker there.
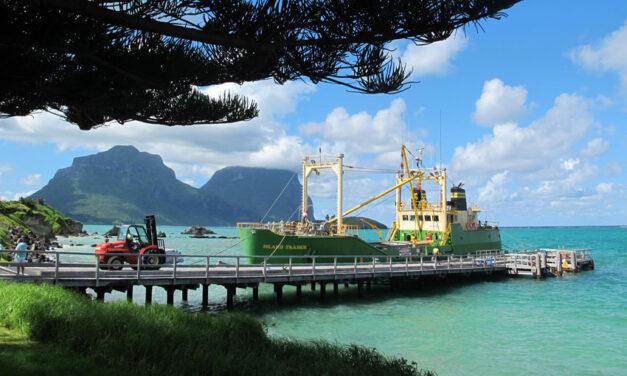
(20, 254)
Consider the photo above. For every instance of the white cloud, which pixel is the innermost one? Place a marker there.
(362, 133)
(17, 196)
(570, 164)
(495, 189)
(537, 169)
(365, 133)
(500, 103)
(604, 188)
(571, 185)
(528, 149)
(595, 148)
(4, 168)
(435, 58)
(610, 54)
(199, 148)
(271, 98)
(32, 179)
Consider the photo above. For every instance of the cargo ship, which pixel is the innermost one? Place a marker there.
(421, 227)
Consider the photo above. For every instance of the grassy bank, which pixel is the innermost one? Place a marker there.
(15, 213)
(25, 357)
(162, 340)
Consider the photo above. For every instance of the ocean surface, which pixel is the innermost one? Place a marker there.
(574, 325)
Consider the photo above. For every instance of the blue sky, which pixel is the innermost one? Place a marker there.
(531, 110)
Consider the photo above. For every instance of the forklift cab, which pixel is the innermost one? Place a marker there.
(134, 235)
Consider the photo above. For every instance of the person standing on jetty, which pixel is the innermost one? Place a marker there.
(20, 254)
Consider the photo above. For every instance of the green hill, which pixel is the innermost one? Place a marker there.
(34, 216)
(357, 221)
(257, 189)
(122, 185)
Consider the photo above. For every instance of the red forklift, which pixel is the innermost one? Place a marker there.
(133, 240)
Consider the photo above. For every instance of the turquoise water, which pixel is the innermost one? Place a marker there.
(572, 325)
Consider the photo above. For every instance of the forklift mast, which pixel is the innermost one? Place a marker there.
(151, 229)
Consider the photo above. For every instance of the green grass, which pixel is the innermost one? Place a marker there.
(162, 340)
(25, 357)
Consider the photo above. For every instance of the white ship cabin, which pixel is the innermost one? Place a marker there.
(435, 217)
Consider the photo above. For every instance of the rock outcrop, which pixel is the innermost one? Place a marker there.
(35, 219)
(197, 231)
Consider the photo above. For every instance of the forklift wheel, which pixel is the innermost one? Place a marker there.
(151, 260)
(115, 263)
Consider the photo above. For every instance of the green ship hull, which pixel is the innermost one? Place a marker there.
(259, 243)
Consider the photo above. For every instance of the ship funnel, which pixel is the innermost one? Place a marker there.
(458, 198)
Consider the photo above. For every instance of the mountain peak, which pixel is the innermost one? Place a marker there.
(123, 184)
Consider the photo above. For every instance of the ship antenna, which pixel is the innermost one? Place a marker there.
(440, 139)
(419, 159)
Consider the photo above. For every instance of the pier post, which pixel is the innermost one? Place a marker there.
(346, 284)
(129, 293)
(230, 292)
(184, 293)
(367, 285)
(148, 294)
(313, 286)
(100, 294)
(335, 288)
(299, 289)
(543, 262)
(323, 288)
(255, 293)
(538, 266)
(205, 295)
(573, 262)
(360, 289)
(169, 290)
(278, 290)
(558, 259)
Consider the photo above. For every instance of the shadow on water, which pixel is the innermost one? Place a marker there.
(348, 296)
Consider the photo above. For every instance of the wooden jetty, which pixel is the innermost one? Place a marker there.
(545, 262)
(232, 272)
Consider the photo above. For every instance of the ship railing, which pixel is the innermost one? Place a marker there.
(420, 205)
(74, 268)
(279, 227)
(484, 225)
(345, 229)
(474, 206)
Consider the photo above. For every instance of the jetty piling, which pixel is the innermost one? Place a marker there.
(129, 293)
(361, 271)
(205, 294)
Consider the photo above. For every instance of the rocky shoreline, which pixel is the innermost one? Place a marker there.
(38, 223)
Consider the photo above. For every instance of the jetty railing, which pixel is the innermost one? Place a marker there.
(555, 261)
(63, 264)
(86, 266)
(82, 270)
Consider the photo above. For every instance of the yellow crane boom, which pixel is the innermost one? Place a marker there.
(409, 179)
(374, 228)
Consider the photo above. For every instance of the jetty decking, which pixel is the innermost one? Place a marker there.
(232, 272)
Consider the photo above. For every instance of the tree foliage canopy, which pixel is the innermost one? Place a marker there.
(96, 61)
